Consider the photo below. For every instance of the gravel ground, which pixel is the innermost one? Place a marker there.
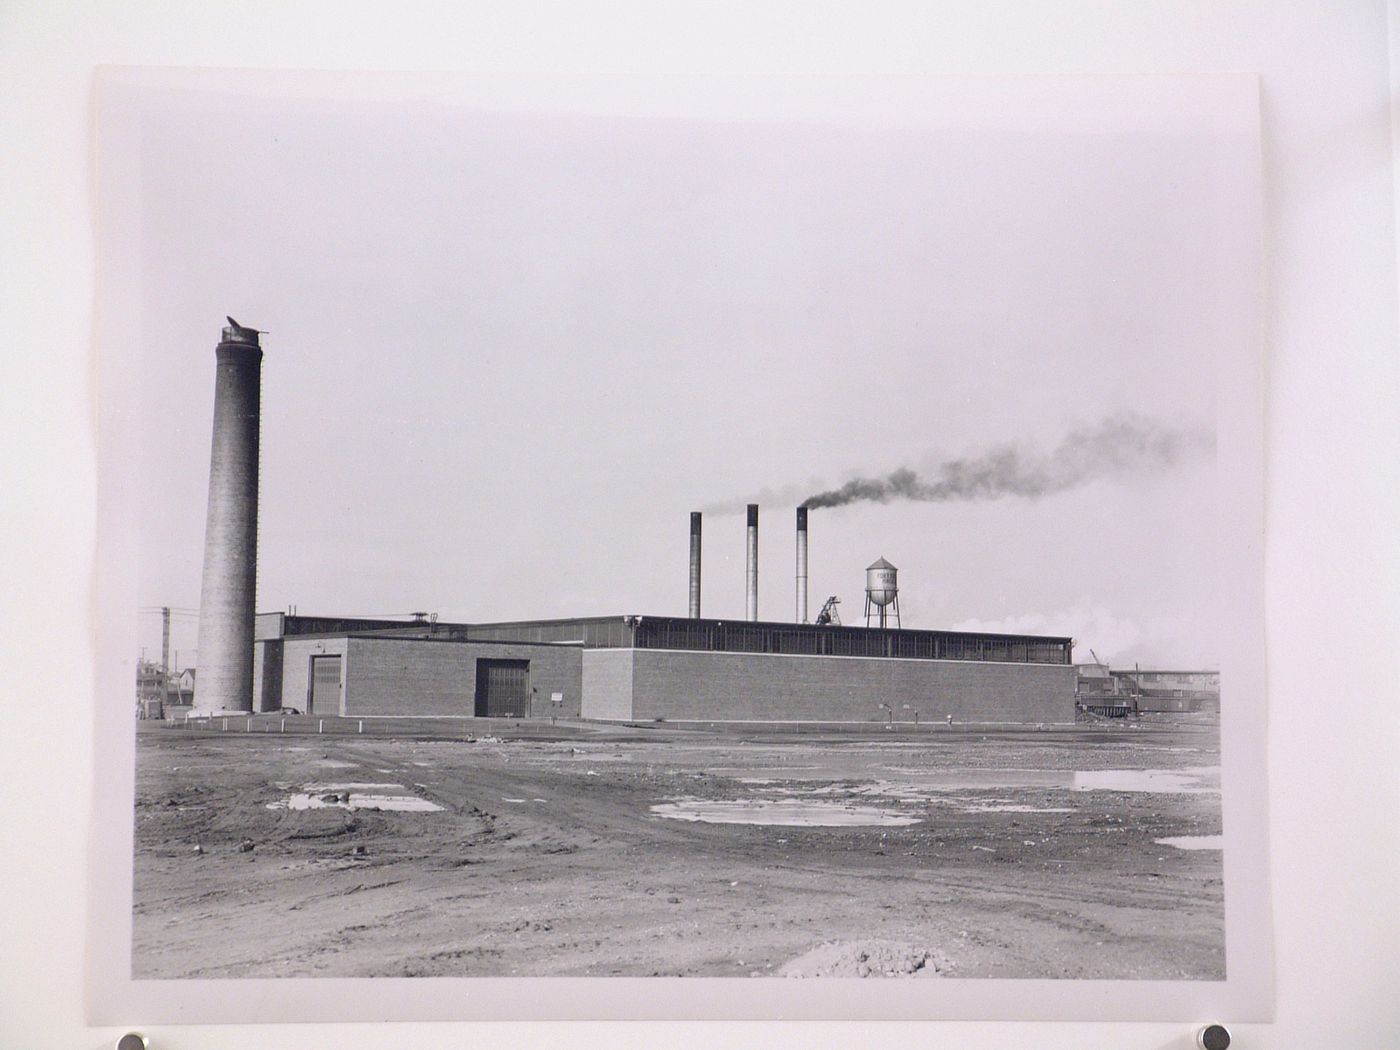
(547, 858)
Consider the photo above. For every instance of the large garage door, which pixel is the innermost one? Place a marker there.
(325, 685)
(502, 688)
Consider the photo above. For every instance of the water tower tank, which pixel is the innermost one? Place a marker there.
(881, 583)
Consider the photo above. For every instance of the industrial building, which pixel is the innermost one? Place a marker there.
(645, 668)
(618, 668)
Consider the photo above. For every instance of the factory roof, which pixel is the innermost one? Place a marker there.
(746, 636)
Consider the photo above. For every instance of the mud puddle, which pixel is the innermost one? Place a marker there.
(1196, 781)
(786, 812)
(388, 797)
(1193, 841)
(926, 785)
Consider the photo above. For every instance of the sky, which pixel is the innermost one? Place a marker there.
(515, 335)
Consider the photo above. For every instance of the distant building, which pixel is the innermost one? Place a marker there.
(184, 686)
(1102, 690)
(1097, 690)
(1159, 690)
(150, 689)
(179, 690)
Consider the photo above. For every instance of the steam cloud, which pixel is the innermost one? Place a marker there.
(1116, 446)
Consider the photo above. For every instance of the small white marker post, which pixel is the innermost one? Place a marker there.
(284, 726)
(321, 726)
(362, 725)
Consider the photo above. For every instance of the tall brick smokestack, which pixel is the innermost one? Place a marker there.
(751, 573)
(225, 667)
(695, 565)
(801, 564)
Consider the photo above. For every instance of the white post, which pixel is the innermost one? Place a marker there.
(321, 726)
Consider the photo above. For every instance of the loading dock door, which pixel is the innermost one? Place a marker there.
(502, 688)
(325, 685)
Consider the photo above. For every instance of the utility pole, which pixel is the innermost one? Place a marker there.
(165, 640)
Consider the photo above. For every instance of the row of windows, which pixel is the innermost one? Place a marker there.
(608, 634)
(801, 640)
(837, 641)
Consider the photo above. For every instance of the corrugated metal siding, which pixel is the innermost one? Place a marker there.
(325, 685)
(502, 688)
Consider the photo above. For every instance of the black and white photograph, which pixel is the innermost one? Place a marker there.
(700, 525)
(781, 529)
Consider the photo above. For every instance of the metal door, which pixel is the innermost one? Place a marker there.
(325, 685)
(502, 688)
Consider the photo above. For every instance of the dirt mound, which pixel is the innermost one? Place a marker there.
(867, 959)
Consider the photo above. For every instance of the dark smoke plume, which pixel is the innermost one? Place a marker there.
(1117, 446)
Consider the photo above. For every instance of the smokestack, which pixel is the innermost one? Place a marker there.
(751, 576)
(226, 603)
(801, 564)
(695, 565)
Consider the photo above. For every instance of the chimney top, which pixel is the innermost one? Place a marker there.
(240, 334)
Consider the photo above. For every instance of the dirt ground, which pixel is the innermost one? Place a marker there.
(1005, 854)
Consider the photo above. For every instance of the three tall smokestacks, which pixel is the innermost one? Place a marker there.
(751, 565)
(226, 604)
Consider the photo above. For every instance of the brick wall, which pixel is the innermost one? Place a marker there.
(296, 668)
(413, 677)
(390, 676)
(680, 686)
(607, 684)
(267, 675)
(396, 676)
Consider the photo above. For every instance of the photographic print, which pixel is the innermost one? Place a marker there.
(787, 530)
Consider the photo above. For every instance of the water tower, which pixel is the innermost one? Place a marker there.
(881, 594)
